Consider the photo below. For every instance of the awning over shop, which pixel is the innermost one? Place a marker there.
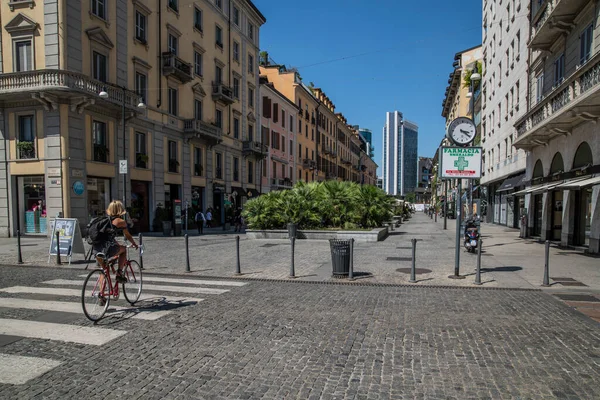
(578, 183)
(537, 189)
(511, 183)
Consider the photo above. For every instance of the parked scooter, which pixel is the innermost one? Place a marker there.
(471, 238)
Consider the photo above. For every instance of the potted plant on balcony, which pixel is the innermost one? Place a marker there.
(26, 149)
(141, 160)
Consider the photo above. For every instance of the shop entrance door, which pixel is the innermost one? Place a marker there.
(140, 202)
(557, 211)
(537, 209)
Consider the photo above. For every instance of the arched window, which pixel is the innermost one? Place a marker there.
(538, 170)
(557, 164)
(583, 156)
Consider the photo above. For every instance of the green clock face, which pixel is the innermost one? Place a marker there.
(461, 131)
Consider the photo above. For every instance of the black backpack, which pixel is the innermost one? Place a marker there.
(101, 230)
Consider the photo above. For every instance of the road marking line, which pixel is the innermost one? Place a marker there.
(17, 370)
(77, 293)
(61, 332)
(182, 289)
(70, 307)
(188, 281)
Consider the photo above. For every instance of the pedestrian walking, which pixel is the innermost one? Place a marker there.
(200, 221)
(238, 220)
(208, 217)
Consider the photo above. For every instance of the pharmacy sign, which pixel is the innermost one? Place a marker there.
(461, 162)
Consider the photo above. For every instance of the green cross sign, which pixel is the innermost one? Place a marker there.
(461, 163)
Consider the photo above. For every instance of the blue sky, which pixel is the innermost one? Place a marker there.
(395, 55)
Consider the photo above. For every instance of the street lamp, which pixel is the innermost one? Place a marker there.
(141, 105)
(475, 78)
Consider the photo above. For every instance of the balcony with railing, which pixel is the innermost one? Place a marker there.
(552, 20)
(222, 93)
(195, 128)
(575, 100)
(252, 148)
(307, 163)
(47, 85)
(175, 66)
(345, 160)
(25, 149)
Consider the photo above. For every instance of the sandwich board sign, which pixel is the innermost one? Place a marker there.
(461, 162)
(70, 240)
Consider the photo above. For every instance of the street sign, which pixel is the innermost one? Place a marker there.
(123, 167)
(461, 162)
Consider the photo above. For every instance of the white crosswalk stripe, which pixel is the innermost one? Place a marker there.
(150, 288)
(72, 307)
(77, 293)
(189, 281)
(61, 332)
(17, 370)
(154, 303)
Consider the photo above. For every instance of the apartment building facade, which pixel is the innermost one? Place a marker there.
(278, 125)
(400, 146)
(171, 87)
(559, 129)
(503, 101)
(327, 146)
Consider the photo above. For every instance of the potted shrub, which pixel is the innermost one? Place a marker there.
(26, 149)
(141, 160)
(100, 153)
(173, 165)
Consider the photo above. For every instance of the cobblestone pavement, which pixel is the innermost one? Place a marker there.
(507, 261)
(293, 340)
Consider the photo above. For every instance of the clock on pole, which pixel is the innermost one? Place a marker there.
(461, 131)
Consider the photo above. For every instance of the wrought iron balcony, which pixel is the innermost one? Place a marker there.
(307, 163)
(195, 128)
(345, 160)
(326, 149)
(552, 20)
(257, 149)
(175, 66)
(222, 93)
(331, 175)
(575, 100)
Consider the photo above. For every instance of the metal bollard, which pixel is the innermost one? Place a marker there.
(436, 216)
(478, 271)
(413, 272)
(238, 270)
(187, 254)
(292, 270)
(58, 248)
(20, 257)
(141, 257)
(547, 266)
(351, 269)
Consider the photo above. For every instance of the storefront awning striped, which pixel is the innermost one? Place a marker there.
(544, 187)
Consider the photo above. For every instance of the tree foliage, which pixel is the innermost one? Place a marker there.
(320, 205)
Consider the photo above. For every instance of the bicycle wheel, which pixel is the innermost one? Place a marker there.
(95, 296)
(132, 289)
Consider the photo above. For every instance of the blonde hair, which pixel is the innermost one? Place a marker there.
(116, 209)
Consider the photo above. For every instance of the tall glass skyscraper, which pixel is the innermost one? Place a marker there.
(400, 159)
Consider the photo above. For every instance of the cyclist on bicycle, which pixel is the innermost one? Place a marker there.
(111, 248)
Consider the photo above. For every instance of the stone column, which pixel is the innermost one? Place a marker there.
(4, 184)
(546, 233)
(595, 223)
(568, 218)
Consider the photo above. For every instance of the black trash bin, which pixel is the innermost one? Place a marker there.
(340, 256)
(292, 230)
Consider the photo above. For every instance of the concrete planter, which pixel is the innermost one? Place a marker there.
(374, 235)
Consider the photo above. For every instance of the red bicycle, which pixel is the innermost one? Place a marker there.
(98, 286)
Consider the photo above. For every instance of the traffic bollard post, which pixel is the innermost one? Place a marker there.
(292, 269)
(436, 216)
(546, 282)
(141, 255)
(351, 269)
(237, 247)
(478, 271)
(413, 272)
(187, 254)
(58, 248)
(20, 256)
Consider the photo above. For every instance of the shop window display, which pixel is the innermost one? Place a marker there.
(34, 204)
